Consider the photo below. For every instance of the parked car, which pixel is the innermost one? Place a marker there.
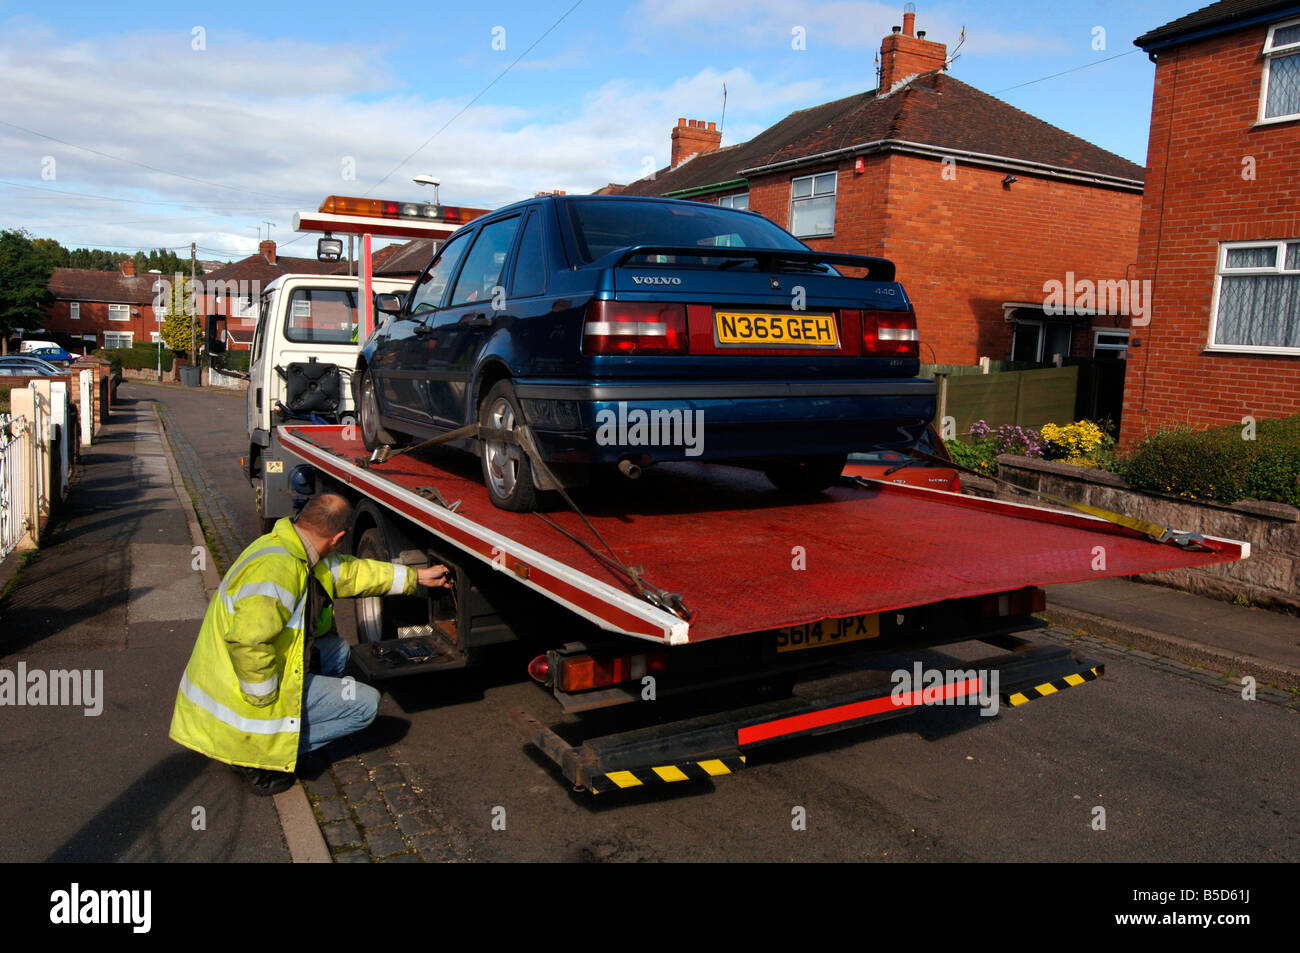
(896, 467)
(55, 354)
(628, 331)
(18, 364)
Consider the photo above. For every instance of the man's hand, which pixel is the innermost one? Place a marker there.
(435, 577)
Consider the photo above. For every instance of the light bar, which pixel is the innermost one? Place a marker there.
(386, 208)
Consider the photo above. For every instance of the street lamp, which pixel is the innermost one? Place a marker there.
(429, 180)
(158, 319)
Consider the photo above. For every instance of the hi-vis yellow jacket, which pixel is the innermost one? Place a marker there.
(240, 699)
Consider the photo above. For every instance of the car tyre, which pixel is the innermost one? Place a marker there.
(373, 434)
(507, 470)
(808, 475)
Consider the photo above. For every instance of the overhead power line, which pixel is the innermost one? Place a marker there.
(1073, 69)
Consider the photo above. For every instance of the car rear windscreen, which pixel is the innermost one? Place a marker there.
(600, 226)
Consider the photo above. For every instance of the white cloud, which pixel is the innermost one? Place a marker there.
(277, 122)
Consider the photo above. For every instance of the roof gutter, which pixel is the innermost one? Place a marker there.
(974, 158)
(1224, 26)
(701, 189)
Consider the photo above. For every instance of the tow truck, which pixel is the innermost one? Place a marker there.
(681, 621)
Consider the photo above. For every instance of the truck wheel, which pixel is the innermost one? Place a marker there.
(373, 434)
(809, 475)
(378, 617)
(507, 471)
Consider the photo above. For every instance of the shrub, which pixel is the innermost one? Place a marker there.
(1078, 442)
(1008, 438)
(140, 357)
(1222, 464)
(978, 456)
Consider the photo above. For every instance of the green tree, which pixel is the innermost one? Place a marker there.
(25, 270)
(176, 318)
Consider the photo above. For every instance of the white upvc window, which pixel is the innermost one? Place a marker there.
(74, 310)
(242, 308)
(1256, 305)
(1110, 344)
(812, 205)
(1279, 97)
(119, 312)
(154, 337)
(739, 202)
(114, 339)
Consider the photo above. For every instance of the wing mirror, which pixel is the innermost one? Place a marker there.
(388, 303)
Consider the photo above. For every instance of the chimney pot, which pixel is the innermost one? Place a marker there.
(920, 34)
(681, 122)
(897, 29)
(909, 23)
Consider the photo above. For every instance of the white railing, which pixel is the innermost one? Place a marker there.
(16, 470)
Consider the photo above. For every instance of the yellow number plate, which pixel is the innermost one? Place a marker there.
(783, 330)
(815, 635)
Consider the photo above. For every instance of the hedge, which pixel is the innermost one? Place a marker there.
(139, 357)
(1226, 464)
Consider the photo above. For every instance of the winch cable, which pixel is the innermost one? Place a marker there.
(1191, 542)
(522, 437)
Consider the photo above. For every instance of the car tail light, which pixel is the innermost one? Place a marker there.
(1018, 602)
(634, 327)
(890, 334)
(580, 673)
(540, 669)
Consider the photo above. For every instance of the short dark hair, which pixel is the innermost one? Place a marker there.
(326, 515)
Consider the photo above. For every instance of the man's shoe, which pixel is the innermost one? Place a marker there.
(264, 783)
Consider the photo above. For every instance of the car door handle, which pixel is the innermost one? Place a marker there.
(422, 331)
(480, 320)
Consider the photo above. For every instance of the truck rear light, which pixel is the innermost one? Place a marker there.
(635, 327)
(540, 669)
(890, 334)
(580, 673)
(1018, 602)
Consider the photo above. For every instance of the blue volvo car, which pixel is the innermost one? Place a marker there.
(630, 331)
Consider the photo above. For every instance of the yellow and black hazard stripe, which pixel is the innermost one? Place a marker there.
(666, 774)
(1054, 686)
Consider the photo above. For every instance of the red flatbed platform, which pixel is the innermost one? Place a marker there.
(729, 543)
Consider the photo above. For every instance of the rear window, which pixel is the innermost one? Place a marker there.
(322, 316)
(600, 226)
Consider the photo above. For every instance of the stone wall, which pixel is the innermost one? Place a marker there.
(1269, 578)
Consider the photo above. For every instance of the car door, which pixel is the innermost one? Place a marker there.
(400, 363)
(459, 330)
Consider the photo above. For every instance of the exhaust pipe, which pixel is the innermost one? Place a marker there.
(629, 469)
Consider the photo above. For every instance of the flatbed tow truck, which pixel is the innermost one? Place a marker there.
(771, 615)
(684, 619)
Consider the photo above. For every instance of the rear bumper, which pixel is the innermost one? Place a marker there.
(717, 744)
(668, 420)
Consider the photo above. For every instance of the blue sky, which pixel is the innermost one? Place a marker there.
(282, 99)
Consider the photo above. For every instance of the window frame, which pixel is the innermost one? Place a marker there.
(74, 310)
(811, 196)
(119, 308)
(1097, 345)
(1221, 271)
(129, 335)
(1270, 53)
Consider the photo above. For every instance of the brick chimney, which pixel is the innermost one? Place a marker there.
(692, 139)
(904, 54)
(267, 248)
(128, 267)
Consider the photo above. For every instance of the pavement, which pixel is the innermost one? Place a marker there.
(115, 591)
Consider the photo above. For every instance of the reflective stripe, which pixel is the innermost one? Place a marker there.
(399, 580)
(295, 620)
(213, 707)
(279, 593)
(261, 552)
(335, 565)
(258, 689)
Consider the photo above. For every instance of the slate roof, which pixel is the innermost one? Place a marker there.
(256, 268)
(933, 109)
(408, 258)
(1218, 17)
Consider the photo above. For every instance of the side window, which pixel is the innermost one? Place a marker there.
(485, 263)
(530, 261)
(260, 337)
(426, 293)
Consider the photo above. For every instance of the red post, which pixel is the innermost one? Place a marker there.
(366, 304)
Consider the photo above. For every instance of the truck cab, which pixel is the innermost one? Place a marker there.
(300, 369)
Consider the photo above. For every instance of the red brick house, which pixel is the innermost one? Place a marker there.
(94, 309)
(979, 204)
(1220, 237)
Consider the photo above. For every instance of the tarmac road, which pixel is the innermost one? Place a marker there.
(1185, 769)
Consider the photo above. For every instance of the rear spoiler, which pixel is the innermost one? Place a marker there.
(878, 269)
